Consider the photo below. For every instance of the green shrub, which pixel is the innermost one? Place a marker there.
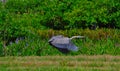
(69, 14)
(21, 6)
(1, 49)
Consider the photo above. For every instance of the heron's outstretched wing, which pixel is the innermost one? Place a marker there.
(72, 47)
(63, 43)
(60, 43)
(69, 45)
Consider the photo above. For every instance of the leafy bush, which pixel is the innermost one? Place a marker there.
(86, 13)
(69, 14)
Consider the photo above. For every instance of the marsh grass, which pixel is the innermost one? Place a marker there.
(53, 63)
(42, 48)
(100, 41)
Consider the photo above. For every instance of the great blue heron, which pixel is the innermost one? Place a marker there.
(64, 44)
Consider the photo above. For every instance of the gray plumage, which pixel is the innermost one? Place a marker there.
(64, 43)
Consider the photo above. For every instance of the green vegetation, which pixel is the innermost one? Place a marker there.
(35, 21)
(63, 14)
(101, 41)
(27, 25)
(61, 63)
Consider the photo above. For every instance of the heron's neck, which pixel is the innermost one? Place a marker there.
(77, 37)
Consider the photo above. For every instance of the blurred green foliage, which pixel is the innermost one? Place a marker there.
(31, 18)
(20, 17)
(61, 14)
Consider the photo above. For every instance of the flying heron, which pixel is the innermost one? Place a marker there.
(64, 44)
